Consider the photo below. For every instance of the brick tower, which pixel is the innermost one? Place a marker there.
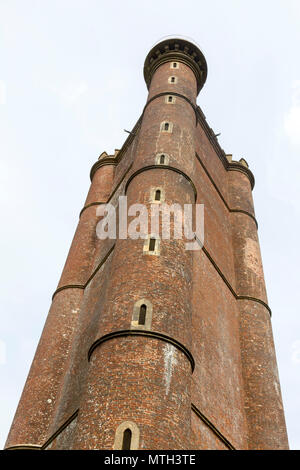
(148, 345)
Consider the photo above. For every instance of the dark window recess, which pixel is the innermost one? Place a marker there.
(152, 244)
(142, 315)
(174, 65)
(170, 99)
(157, 195)
(166, 126)
(172, 79)
(162, 159)
(126, 439)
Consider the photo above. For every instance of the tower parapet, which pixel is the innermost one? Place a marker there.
(177, 50)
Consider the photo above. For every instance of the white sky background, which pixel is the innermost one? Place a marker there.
(71, 81)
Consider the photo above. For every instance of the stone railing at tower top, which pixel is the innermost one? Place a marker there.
(179, 50)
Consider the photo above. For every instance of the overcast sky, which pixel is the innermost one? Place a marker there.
(71, 80)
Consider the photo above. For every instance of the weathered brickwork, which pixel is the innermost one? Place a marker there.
(203, 437)
(201, 372)
(40, 395)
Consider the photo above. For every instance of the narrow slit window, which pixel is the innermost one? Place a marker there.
(141, 317)
(174, 65)
(162, 158)
(152, 244)
(142, 314)
(126, 439)
(170, 99)
(166, 127)
(172, 79)
(127, 436)
(157, 195)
